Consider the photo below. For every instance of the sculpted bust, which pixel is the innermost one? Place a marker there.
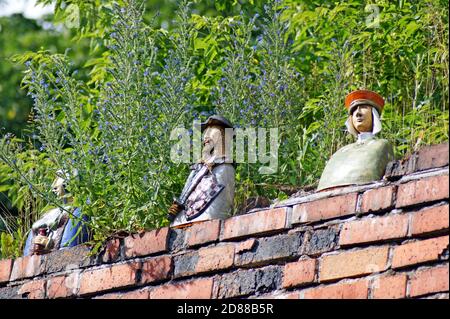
(364, 161)
(59, 227)
(209, 189)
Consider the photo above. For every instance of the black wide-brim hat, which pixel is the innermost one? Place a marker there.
(216, 120)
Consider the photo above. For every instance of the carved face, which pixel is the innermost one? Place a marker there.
(213, 138)
(362, 118)
(58, 186)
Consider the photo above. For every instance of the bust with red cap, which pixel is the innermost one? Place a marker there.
(365, 160)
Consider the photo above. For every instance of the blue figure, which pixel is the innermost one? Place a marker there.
(60, 227)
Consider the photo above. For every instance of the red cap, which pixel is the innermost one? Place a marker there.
(359, 97)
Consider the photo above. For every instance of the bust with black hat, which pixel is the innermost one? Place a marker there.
(209, 190)
(364, 161)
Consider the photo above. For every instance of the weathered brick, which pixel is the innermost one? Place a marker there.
(348, 290)
(134, 294)
(5, 269)
(215, 258)
(299, 273)
(271, 249)
(379, 199)
(320, 241)
(177, 239)
(432, 156)
(374, 229)
(204, 260)
(238, 283)
(97, 280)
(34, 289)
(268, 278)
(195, 289)
(69, 258)
(156, 269)
(430, 220)
(247, 282)
(28, 266)
(421, 191)
(246, 245)
(112, 251)
(147, 243)
(420, 251)
(326, 208)
(261, 222)
(389, 287)
(353, 263)
(203, 232)
(396, 169)
(10, 292)
(63, 286)
(184, 265)
(429, 280)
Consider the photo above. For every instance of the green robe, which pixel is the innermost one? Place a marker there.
(358, 163)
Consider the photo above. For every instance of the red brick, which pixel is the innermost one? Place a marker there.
(215, 258)
(112, 250)
(432, 156)
(374, 229)
(389, 287)
(326, 208)
(195, 289)
(378, 199)
(265, 221)
(156, 269)
(203, 232)
(422, 191)
(419, 251)
(63, 286)
(430, 220)
(5, 269)
(33, 289)
(349, 290)
(107, 278)
(299, 273)
(353, 263)
(245, 245)
(147, 243)
(28, 266)
(134, 294)
(429, 280)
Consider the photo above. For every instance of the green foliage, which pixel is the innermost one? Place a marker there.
(8, 246)
(19, 35)
(22, 169)
(288, 67)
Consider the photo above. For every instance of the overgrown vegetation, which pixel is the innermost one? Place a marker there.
(288, 66)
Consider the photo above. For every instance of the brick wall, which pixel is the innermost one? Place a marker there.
(389, 239)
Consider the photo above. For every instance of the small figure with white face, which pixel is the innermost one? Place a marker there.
(59, 227)
(364, 161)
(209, 190)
